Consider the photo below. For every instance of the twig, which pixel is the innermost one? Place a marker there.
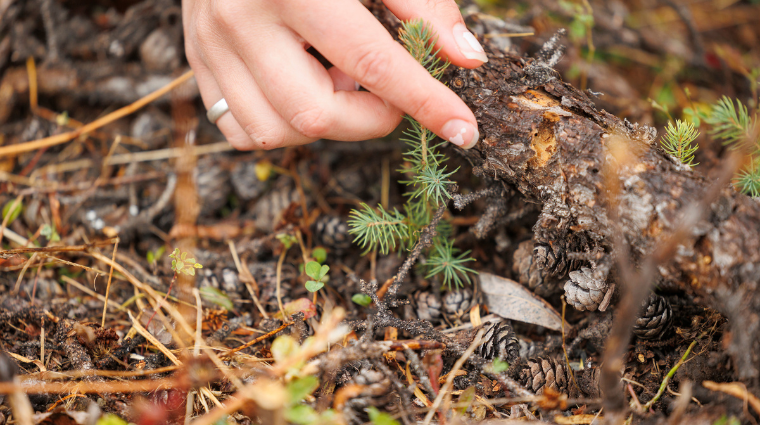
(452, 374)
(736, 389)
(113, 116)
(108, 286)
(257, 340)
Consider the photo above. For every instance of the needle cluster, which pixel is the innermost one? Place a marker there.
(428, 181)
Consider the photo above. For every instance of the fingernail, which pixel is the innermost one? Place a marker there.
(468, 44)
(461, 133)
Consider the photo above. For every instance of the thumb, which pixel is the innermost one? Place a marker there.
(456, 42)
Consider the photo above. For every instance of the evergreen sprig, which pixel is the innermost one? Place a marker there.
(444, 260)
(428, 179)
(677, 141)
(733, 124)
(420, 40)
(377, 229)
(748, 179)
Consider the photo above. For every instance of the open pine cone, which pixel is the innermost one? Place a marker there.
(500, 341)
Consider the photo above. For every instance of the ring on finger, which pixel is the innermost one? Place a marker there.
(215, 112)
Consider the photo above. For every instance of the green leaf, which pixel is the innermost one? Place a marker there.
(380, 418)
(500, 366)
(312, 269)
(319, 254)
(215, 296)
(323, 271)
(301, 414)
(189, 271)
(174, 265)
(299, 388)
(362, 299)
(12, 209)
(314, 286)
(175, 254)
(150, 257)
(286, 239)
(110, 419)
(180, 266)
(198, 265)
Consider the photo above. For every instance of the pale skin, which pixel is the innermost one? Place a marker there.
(253, 53)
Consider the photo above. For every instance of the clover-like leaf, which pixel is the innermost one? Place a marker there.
(323, 271)
(362, 299)
(314, 286)
(313, 270)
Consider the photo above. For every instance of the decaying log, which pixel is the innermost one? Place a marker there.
(546, 139)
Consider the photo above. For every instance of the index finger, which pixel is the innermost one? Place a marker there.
(353, 40)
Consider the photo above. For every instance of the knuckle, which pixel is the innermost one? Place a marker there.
(311, 121)
(372, 67)
(226, 13)
(264, 136)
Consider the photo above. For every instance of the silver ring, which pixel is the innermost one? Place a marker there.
(215, 112)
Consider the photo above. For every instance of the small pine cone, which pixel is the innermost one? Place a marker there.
(538, 265)
(428, 306)
(655, 318)
(500, 341)
(457, 304)
(376, 392)
(586, 288)
(540, 373)
(332, 232)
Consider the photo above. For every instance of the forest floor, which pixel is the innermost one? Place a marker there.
(150, 273)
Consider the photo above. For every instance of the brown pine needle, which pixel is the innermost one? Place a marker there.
(100, 122)
(108, 286)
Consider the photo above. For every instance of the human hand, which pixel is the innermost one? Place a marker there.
(253, 53)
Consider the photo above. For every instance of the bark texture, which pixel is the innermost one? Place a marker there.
(547, 139)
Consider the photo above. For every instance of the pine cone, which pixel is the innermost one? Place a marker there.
(538, 265)
(376, 392)
(540, 373)
(655, 318)
(500, 341)
(457, 304)
(586, 288)
(428, 306)
(332, 232)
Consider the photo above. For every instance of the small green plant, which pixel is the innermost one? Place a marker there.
(50, 233)
(154, 256)
(499, 366)
(319, 254)
(376, 417)
(737, 128)
(677, 141)
(182, 264)
(428, 179)
(318, 274)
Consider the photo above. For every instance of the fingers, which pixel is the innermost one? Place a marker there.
(305, 94)
(456, 42)
(253, 123)
(354, 41)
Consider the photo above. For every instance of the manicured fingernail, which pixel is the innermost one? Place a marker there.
(468, 44)
(461, 133)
